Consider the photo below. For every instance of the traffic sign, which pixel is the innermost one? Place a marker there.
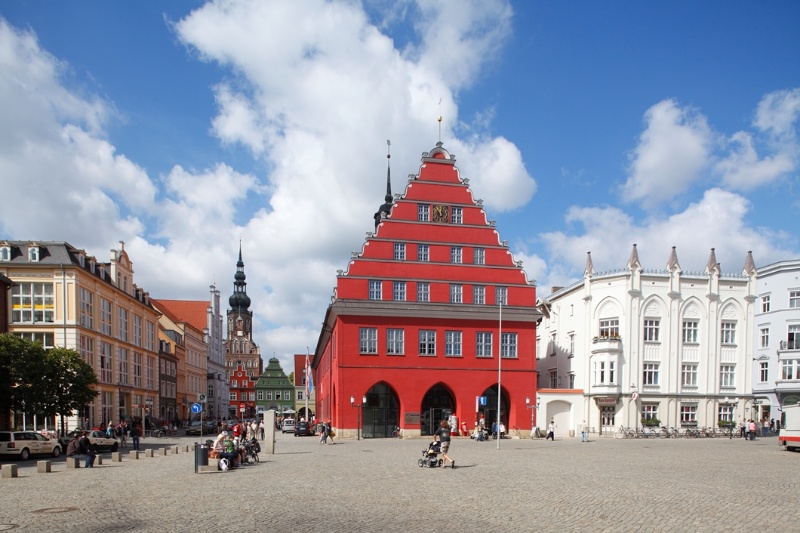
(482, 400)
(196, 408)
(242, 407)
(201, 398)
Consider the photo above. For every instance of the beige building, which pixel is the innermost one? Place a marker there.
(66, 298)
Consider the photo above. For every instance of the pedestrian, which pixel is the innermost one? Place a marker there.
(745, 429)
(74, 446)
(584, 437)
(551, 431)
(502, 430)
(135, 434)
(323, 434)
(329, 430)
(122, 431)
(87, 448)
(752, 429)
(261, 428)
(443, 432)
(252, 434)
(765, 428)
(772, 425)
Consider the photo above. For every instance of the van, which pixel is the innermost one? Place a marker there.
(288, 425)
(790, 432)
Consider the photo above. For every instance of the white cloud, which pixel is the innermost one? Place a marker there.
(672, 154)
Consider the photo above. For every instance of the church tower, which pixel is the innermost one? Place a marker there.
(242, 356)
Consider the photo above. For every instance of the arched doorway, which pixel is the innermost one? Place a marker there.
(489, 411)
(381, 412)
(437, 405)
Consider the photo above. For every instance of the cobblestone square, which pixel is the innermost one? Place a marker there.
(376, 485)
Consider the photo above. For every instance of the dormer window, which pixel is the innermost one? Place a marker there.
(5, 253)
(82, 260)
(33, 254)
(91, 265)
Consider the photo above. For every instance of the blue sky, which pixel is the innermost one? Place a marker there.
(181, 127)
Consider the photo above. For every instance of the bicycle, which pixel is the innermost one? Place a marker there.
(625, 433)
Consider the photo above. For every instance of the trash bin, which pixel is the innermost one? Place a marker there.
(200, 456)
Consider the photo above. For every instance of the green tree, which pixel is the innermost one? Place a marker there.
(69, 383)
(291, 378)
(22, 370)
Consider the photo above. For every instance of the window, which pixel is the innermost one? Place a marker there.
(427, 342)
(233, 396)
(452, 343)
(688, 414)
(424, 213)
(794, 299)
(151, 335)
(479, 294)
(423, 292)
(374, 290)
(137, 370)
(728, 332)
(650, 373)
(137, 330)
(571, 380)
(763, 371)
(122, 365)
(399, 291)
(105, 362)
(368, 342)
(793, 337)
(5, 253)
(689, 375)
(235, 383)
(423, 252)
(260, 395)
(790, 369)
(455, 254)
(479, 256)
(105, 317)
(651, 330)
(690, 331)
(150, 373)
(483, 344)
(456, 293)
(553, 379)
(501, 295)
(571, 345)
(400, 251)
(122, 315)
(508, 345)
(649, 411)
(86, 309)
(609, 328)
(727, 376)
(725, 413)
(764, 337)
(395, 341)
(604, 373)
(765, 303)
(456, 215)
(47, 340)
(87, 350)
(32, 302)
(300, 395)
(33, 254)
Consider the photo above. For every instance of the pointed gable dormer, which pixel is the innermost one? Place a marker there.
(749, 264)
(34, 252)
(674, 269)
(712, 265)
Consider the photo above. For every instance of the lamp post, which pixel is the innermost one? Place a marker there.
(732, 404)
(534, 408)
(358, 406)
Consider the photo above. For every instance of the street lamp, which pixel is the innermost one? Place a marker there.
(358, 413)
(732, 404)
(534, 408)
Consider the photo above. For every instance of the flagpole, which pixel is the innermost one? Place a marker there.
(499, 366)
(308, 370)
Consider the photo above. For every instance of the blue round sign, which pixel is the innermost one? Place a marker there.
(196, 407)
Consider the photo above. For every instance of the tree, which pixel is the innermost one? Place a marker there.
(70, 381)
(22, 370)
(291, 378)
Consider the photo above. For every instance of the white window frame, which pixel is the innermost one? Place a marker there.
(479, 256)
(763, 371)
(689, 375)
(86, 308)
(427, 342)
(483, 344)
(501, 295)
(400, 251)
(375, 289)
(765, 303)
(508, 345)
(423, 291)
(690, 331)
(689, 413)
(764, 337)
(456, 254)
(395, 341)
(368, 340)
(649, 411)
(608, 328)
(424, 212)
(456, 293)
(32, 303)
(456, 215)
(423, 253)
(650, 374)
(652, 330)
(794, 299)
(727, 376)
(122, 324)
(399, 291)
(452, 343)
(727, 332)
(478, 294)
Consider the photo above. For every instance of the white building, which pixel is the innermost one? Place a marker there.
(632, 344)
(776, 372)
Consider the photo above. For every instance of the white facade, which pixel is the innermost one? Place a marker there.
(218, 401)
(776, 346)
(634, 344)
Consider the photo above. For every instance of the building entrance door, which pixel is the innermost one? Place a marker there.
(607, 419)
(438, 404)
(381, 412)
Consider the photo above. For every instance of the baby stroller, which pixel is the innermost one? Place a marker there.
(430, 456)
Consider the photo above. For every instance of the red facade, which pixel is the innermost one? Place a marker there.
(414, 331)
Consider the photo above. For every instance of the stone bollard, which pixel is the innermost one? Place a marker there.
(148, 453)
(9, 471)
(174, 449)
(44, 467)
(98, 460)
(116, 457)
(73, 462)
(162, 451)
(185, 449)
(134, 454)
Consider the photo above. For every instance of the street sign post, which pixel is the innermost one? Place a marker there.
(197, 408)
(201, 398)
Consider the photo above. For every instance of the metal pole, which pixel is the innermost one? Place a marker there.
(499, 369)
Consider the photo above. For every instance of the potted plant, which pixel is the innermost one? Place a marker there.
(651, 422)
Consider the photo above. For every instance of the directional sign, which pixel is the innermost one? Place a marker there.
(201, 398)
(196, 408)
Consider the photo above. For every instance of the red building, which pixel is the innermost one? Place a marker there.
(416, 324)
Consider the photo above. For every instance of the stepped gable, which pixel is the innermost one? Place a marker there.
(453, 218)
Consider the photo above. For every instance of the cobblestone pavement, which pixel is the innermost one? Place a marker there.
(376, 485)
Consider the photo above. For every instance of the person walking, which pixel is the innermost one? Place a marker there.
(752, 429)
(329, 431)
(584, 437)
(443, 432)
(122, 431)
(551, 431)
(261, 428)
(87, 448)
(135, 434)
(323, 434)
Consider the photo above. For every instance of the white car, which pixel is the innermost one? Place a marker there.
(27, 443)
(96, 437)
(288, 425)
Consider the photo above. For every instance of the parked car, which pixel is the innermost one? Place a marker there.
(196, 427)
(303, 429)
(96, 437)
(288, 425)
(27, 443)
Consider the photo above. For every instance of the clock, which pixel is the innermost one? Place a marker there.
(440, 213)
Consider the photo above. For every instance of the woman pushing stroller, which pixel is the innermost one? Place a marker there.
(443, 432)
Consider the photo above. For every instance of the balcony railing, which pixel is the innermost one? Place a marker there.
(790, 345)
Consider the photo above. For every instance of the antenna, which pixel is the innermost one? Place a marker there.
(388, 149)
(440, 120)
